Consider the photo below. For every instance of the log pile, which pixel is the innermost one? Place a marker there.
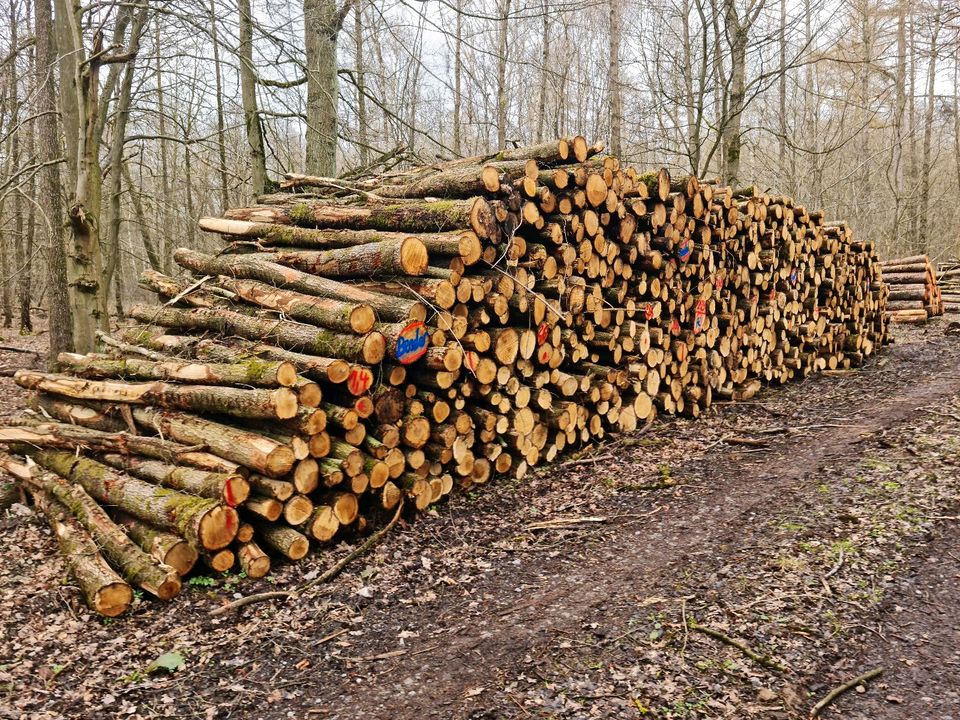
(948, 280)
(914, 292)
(361, 341)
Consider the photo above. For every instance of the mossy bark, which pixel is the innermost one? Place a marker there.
(229, 488)
(102, 588)
(392, 257)
(136, 566)
(167, 548)
(204, 522)
(259, 373)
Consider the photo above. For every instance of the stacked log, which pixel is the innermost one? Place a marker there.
(914, 292)
(948, 280)
(357, 342)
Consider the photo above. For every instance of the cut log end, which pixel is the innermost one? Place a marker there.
(218, 527)
(113, 599)
(414, 257)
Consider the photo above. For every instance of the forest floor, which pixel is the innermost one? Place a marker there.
(606, 587)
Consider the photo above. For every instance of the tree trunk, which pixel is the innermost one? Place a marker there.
(80, 106)
(503, 49)
(737, 32)
(931, 101)
(251, 112)
(221, 122)
(457, 81)
(360, 61)
(613, 79)
(49, 196)
(406, 257)
(167, 548)
(231, 489)
(205, 523)
(321, 26)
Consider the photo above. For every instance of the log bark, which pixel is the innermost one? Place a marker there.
(391, 257)
(276, 404)
(167, 548)
(255, 373)
(368, 349)
(231, 489)
(136, 566)
(248, 449)
(203, 522)
(324, 312)
(250, 268)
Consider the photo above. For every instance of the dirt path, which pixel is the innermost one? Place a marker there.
(796, 549)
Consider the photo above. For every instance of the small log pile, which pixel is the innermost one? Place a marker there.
(948, 280)
(360, 341)
(914, 292)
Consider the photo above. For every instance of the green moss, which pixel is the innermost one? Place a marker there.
(300, 213)
(256, 368)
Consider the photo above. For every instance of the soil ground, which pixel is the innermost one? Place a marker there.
(741, 564)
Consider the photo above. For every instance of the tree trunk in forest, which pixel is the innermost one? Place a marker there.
(503, 49)
(544, 71)
(118, 132)
(221, 122)
(457, 81)
(738, 30)
(49, 195)
(321, 26)
(931, 101)
(613, 80)
(153, 257)
(360, 60)
(251, 112)
(895, 171)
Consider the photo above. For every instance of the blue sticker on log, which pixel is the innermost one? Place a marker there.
(412, 342)
(793, 277)
(685, 249)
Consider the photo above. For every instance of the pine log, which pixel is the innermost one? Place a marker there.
(253, 403)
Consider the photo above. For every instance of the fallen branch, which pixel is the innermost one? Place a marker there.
(587, 461)
(752, 654)
(327, 575)
(128, 348)
(846, 687)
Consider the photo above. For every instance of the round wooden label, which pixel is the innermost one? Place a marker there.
(412, 343)
(359, 380)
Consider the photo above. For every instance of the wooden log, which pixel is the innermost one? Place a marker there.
(321, 311)
(368, 349)
(249, 268)
(410, 216)
(285, 540)
(253, 451)
(103, 590)
(259, 374)
(203, 522)
(408, 256)
(167, 548)
(230, 488)
(253, 561)
(137, 567)
(253, 403)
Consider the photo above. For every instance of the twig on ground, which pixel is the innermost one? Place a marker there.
(566, 522)
(846, 687)
(11, 348)
(326, 576)
(587, 461)
(752, 654)
(371, 658)
(952, 416)
(836, 567)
